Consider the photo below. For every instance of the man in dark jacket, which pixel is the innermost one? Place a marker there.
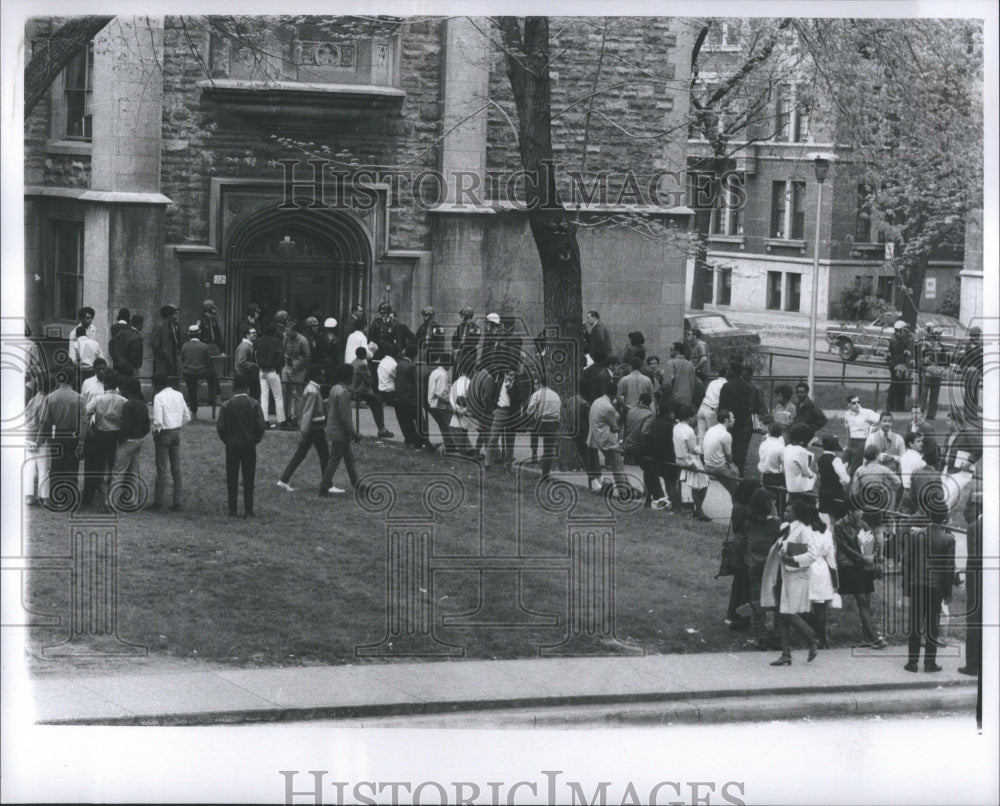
(125, 347)
(738, 396)
(467, 333)
(806, 410)
(240, 427)
(407, 398)
(165, 342)
(927, 557)
(125, 478)
(195, 365)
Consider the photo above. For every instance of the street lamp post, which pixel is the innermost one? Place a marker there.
(822, 164)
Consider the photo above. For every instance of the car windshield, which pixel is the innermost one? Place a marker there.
(712, 323)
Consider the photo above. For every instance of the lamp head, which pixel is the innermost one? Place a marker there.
(821, 162)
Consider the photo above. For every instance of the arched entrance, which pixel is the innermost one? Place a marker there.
(307, 262)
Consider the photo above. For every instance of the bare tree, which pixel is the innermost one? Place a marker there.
(54, 53)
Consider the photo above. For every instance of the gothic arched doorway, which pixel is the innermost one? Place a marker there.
(307, 262)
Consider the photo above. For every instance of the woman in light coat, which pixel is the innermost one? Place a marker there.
(822, 573)
(797, 550)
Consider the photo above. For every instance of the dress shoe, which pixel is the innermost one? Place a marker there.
(385, 433)
(784, 660)
(912, 667)
(813, 651)
(968, 670)
(932, 667)
(880, 643)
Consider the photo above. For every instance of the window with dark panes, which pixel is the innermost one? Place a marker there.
(863, 222)
(793, 291)
(777, 209)
(79, 95)
(783, 115)
(774, 290)
(724, 284)
(68, 264)
(798, 210)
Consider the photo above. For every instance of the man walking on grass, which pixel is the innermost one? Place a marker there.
(340, 430)
(312, 428)
(241, 426)
(170, 414)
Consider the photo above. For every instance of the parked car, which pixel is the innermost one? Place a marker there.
(853, 339)
(725, 340)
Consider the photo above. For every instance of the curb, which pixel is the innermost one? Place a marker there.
(674, 708)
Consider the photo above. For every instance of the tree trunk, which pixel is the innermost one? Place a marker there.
(554, 233)
(57, 51)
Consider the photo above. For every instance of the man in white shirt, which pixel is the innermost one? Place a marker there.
(858, 424)
(387, 375)
(543, 408)
(94, 385)
(634, 384)
(357, 338)
(85, 317)
(170, 414)
(912, 458)
(439, 405)
(709, 406)
(890, 445)
(717, 450)
(772, 457)
(84, 351)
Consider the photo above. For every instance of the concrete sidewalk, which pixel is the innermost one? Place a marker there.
(676, 688)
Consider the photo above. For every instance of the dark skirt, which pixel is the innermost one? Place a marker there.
(853, 580)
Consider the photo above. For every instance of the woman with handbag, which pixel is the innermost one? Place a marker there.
(796, 552)
(857, 571)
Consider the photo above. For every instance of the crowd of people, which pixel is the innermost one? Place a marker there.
(681, 424)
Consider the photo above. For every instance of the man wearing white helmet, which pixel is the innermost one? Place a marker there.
(328, 348)
(898, 358)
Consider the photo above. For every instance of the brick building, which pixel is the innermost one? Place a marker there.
(170, 164)
(762, 239)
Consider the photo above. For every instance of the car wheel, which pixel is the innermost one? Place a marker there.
(847, 351)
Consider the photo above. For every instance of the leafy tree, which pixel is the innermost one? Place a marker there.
(907, 96)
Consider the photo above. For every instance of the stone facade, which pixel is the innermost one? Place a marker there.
(186, 161)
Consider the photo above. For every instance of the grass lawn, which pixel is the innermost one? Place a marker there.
(305, 582)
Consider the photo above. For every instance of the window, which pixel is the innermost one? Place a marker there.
(777, 209)
(863, 222)
(68, 263)
(793, 291)
(791, 119)
(724, 34)
(885, 286)
(798, 210)
(724, 286)
(783, 114)
(78, 95)
(774, 290)
(727, 216)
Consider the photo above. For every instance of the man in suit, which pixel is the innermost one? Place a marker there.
(603, 438)
(927, 557)
(165, 343)
(195, 364)
(63, 425)
(126, 346)
(598, 336)
(467, 333)
(240, 427)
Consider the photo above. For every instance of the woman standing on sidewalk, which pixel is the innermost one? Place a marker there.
(856, 572)
(797, 550)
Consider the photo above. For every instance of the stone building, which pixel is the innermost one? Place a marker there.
(313, 163)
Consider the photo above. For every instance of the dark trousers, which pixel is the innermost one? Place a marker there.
(897, 395)
(443, 419)
(375, 404)
(64, 469)
(652, 473)
(742, 434)
(338, 451)
(739, 593)
(316, 438)
(546, 432)
(192, 386)
(930, 391)
(774, 483)
(237, 460)
(406, 416)
(925, 614)
(99, 461)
